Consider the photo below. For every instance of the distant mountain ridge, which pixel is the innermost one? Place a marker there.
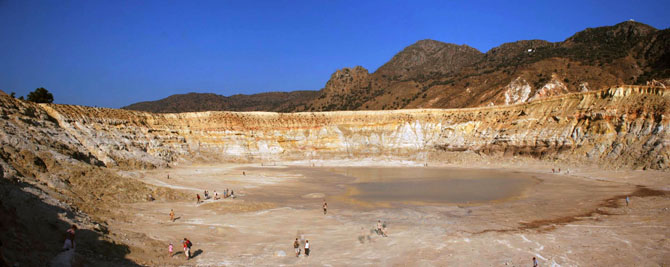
(193, 102)
(433, 74)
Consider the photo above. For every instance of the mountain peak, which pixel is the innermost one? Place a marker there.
(344, 79)
(427, 57)
(434, 74)
(626, 32)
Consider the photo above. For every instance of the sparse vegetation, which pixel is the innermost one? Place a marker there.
(40, 95)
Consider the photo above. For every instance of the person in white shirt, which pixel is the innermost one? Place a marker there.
(307, 248)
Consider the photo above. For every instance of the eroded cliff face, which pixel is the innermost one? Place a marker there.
(623, 126)
(54, 175)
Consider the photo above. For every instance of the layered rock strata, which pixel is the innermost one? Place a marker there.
(620, 126)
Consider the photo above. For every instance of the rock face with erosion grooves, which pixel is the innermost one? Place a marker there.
(626, 125)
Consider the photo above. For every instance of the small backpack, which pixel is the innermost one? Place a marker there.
(188, 243)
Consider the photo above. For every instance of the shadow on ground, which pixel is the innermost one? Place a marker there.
(196, 253)
(32, 231)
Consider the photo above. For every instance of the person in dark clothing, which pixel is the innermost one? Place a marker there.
(325, 207)
(69, 238)
(296, 246)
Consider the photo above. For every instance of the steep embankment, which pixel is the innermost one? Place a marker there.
(622, 126)
(50, 180)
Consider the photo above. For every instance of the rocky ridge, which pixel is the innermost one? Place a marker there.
(194, 102)
(433, 74)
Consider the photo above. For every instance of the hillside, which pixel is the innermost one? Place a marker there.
(421, 76)
(433, 74)
(193, 102)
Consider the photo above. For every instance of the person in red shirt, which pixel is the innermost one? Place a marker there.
(187, 248)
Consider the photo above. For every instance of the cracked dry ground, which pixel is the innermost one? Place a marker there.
(579, 219)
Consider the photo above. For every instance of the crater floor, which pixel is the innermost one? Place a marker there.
(567, 219)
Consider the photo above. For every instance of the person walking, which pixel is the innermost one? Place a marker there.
(379, 227)
(69, 238)
(296, 246)
(170, 250)
(325, 207)
(171, 215)
(535, 264)
(198, 198)
(187, 247)
(384, 230)
(307, 247)
(627, 201)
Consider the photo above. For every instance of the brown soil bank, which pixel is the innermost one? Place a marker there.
(63, 164)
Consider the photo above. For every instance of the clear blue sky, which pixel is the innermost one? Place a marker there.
(114, 53)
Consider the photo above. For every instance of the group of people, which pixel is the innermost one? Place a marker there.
(296, 246)
(186, 243)
(553, 170)
(381, 228)
(296, 243)
(226, 194)
(70, 244)
(187, 248)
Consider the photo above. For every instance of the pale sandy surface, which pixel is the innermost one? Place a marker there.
(564, 220)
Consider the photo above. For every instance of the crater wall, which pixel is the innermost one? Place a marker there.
(624, 126)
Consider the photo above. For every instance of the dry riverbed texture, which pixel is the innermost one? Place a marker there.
(561, 219)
